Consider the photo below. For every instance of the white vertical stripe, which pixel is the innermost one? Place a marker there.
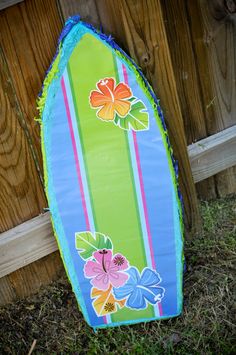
(138, 191)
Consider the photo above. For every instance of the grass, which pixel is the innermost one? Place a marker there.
(207, 325)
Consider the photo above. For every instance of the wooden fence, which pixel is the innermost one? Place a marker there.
(187, 49)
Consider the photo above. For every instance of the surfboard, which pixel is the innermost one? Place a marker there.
(111, 182)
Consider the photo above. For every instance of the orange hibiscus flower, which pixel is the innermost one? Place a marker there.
(111, 99)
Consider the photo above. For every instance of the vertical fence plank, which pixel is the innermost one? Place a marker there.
(182, 54)
(219, 19)
(21, 194)
(29, 33)
(28, 36)
(89, 10)
(213, 33)
(187, 79)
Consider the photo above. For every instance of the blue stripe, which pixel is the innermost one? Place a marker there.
(68, 198)
(179, 250)
(158, 187)
(79, 151)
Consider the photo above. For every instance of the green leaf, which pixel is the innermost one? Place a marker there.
(87, 243)
(137, 119)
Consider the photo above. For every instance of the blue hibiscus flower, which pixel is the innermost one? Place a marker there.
(140, 289)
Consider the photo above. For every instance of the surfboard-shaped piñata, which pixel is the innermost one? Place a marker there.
(111, 182)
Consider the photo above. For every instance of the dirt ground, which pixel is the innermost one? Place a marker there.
(51, 321)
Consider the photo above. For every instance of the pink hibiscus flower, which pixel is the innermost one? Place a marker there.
(106, 270)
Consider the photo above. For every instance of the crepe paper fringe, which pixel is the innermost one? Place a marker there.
(51, 74)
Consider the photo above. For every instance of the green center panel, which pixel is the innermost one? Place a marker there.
(107, 161)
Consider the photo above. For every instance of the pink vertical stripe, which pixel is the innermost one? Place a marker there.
(125, 74)
(143, 198)
(142, 192)
(76, 161)
(75, 153)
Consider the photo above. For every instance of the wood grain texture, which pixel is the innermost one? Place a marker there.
(28, 36)
(220, 20)
(140, 29)
(26, 243)
(7, 292)
(183, 59)
(72, 7)
(220, 40)
(213, 154)
(21, 193)
(213, 33)
(187, 78)
(29, 33)
(29, 279)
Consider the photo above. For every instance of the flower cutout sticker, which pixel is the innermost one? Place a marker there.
(116, 103)
(111, 99)
(106, 270)
(115, 284)
(104, 302)
(140, 289)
